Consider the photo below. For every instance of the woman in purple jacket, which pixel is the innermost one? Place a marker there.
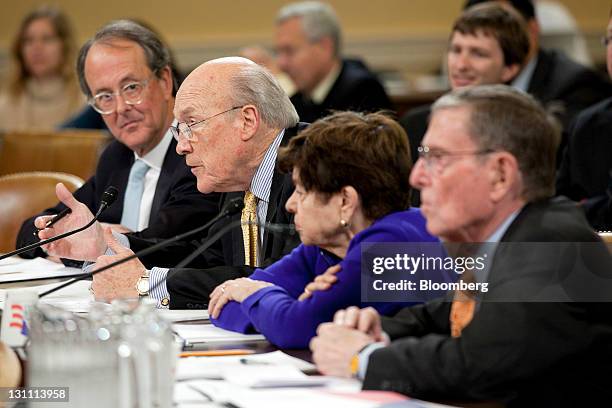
(351, 187)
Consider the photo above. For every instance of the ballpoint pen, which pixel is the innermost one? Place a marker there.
(55, 219)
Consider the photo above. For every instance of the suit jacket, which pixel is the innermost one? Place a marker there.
(587, 160)
(190, 287)
(175, 204)
(356, 88)
(561, 82)
(518, 353)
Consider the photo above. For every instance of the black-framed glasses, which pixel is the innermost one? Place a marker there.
(132, 93)
(434, 159)
(185, 129)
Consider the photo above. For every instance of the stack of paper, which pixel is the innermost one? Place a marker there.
(207, 333)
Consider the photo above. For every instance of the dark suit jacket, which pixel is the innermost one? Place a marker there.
(175, 204)
(356, 88)
(558, 80)
(587, 161)
(191, 287)
(519, 353)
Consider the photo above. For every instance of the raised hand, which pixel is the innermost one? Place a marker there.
(86, 245)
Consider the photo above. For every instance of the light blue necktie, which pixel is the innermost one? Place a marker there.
(133, 195)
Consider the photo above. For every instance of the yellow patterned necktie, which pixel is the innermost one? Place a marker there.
(250, 232)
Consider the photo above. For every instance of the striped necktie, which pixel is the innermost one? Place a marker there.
(250, 232)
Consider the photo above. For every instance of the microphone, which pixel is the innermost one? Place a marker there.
(272, 227)
(232, 207)
(108, 197)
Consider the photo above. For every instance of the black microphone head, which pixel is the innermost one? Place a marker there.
(233, 206)
(109, 196)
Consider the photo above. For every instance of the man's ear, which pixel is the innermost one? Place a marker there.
(327, 44)
(250, 121)
(504, 175)
(166, 81)
(509, 72)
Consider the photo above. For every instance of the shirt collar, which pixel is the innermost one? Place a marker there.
(155, 158)
(497, 235)
(262, 180)
(522, 80)
(322, 90)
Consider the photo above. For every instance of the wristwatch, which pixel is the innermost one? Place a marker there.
(142, 285)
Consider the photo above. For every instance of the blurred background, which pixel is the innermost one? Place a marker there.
(402, 40)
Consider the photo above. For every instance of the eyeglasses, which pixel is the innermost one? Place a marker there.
(185, 129)
(606, 40)
(105, 103)
(435, 159)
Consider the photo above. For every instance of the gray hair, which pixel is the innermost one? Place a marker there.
(505, 119)
(156, 53)
(254, 84)
(318, 20)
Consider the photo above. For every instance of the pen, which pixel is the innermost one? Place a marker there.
(246, 361)
(55, 219)
(216, 353)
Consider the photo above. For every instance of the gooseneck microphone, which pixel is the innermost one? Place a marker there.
(232, 207)
(108, 197)
(272, 227)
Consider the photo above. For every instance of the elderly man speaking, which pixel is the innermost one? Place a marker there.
(486, 174)
(232, 117)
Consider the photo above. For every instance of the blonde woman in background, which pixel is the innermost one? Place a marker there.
(41, 90)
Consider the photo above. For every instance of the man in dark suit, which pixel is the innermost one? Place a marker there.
(229, 132)
(585, 174)
(308, 45)
(537, 336)
(558, 82)
(125, 73)
(488, 45)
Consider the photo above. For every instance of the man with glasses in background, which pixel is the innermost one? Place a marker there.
(125, 73)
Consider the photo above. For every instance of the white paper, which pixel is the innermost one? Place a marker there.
(207, 333)
(183, 315)
(212, 367)
(75, 298)
(17, 269)
(270, 376)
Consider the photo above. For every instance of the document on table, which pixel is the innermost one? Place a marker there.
(15, 269)
(183, 315)
(75, 298)
(216, 367)
(207, 333)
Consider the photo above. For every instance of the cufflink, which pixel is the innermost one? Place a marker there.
(164, 302)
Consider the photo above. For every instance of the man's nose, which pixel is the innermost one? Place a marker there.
(419, 174)
(183, 146)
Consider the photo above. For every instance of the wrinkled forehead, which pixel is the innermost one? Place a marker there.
(449, 129)
(194, 101)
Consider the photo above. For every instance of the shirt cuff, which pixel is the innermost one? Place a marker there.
(364, 358)
(159, 293)
(121, 238)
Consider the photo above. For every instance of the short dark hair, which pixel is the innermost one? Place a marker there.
(505, 119)
(366, 151)
(501, 22)
(525, 7)
(156, 53)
